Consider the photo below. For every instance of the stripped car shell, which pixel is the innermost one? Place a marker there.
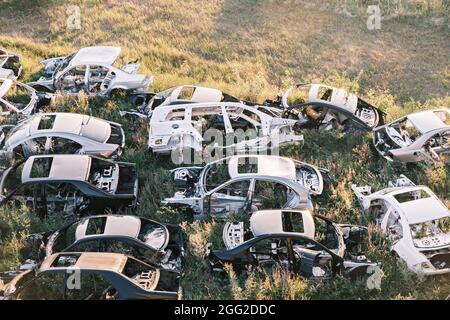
(416, 222)
(324, 107)
(291, 239)
(246, 184)
(160, 245)
(422, 136)
(69, 185)
(17, 98)
(103, 276)
(10, 67)
(181, 127)
(90, 70)
(63, 133)
(185, 94)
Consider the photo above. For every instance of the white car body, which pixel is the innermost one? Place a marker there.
(173, 127)
(91, 70)
(404, 211)
(421, 136)
(49, 133)
(236, 187)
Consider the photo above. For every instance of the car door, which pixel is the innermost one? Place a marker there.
(269, 252)
(231, 197)
(311, 259)
(62, 199)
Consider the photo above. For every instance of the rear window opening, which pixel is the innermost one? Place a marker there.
(46, 122)
(41, 168)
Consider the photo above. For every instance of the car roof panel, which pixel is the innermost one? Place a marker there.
(96, 55)
(426, 121)
(266, 166)
(63, 167)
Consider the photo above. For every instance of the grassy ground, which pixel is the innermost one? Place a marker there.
(254, 49)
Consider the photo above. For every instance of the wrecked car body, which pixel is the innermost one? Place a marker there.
(90, 70)
(324, 107)
(69, 185)
(414, 220)
(103, 276)
(306, 244)
(422, 136)
(245, 184)
(63, 133)
(10, 67)
(17, 98)
(160, 245)
(147, 102)
(180, 127)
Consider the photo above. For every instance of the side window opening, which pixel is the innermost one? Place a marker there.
(93, 287)
(73, 80)
(49, 286)
(176, 115)
(34, 146)
(271, 195)
(60, 145)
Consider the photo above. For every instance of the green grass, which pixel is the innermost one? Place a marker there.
(254, 50)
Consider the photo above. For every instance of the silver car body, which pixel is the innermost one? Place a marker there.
(308, 102)
(17, 98)
(411, 217)
(91, 70)
(421, 136)
(178, 127)
(218, 201)
(44, 133)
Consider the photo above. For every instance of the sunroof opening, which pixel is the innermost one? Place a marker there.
(66, 260)
(46, 122)
(96, 226)
(411, 196)
(293, 222)
(186, 93)
(41, 168)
